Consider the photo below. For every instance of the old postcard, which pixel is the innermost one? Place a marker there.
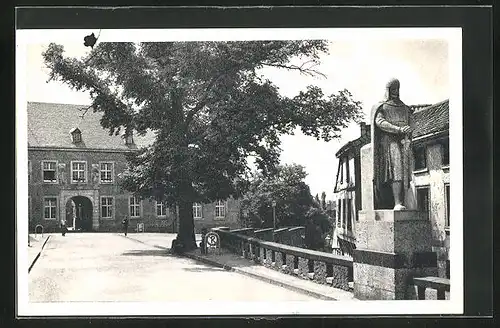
(239, 171)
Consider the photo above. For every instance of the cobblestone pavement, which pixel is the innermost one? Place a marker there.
(110, 267)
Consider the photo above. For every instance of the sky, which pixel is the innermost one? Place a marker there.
(360, 65)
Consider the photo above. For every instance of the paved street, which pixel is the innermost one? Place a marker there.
(111, 267)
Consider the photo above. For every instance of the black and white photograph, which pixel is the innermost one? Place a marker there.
(239, 171)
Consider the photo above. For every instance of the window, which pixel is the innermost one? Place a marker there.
(420, 158)
(447, 195)
(197, 211)
(423, 201)
(445, 152)
(78, 171)
(351, 177)
(342, 171)
(349, 214)
(106, 172)
(134, 207)
(161, 209)
(49, 173)
(29, 171)
(76, 135)
(220, 209)
(339, 213)
(344, 204)
(49, 208)
(347, 173)
(106, 207)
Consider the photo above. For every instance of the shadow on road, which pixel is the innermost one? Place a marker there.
(148, 252)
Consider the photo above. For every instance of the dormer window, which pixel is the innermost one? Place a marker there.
(128, 138)
(76, 135)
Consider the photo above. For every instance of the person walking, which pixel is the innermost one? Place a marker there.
(63, 227)
(125, 225)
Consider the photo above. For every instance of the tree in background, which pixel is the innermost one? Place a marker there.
(318, 225)
(316, 199)
(295, 205)
(323, 201)
(287, 188)
(209, 108)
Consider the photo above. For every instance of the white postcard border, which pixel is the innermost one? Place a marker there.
(452, 306)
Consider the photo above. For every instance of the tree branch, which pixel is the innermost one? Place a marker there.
(85, 110)
(302, 69)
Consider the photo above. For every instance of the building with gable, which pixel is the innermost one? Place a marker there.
(347, 191)
(430, 161)
(73, 173)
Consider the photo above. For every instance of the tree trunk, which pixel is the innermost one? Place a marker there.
(186, 226)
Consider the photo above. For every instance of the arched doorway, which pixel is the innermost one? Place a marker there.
(79, 214)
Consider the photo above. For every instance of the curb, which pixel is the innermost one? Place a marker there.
(209, 262)
(260, 277)
(39, 253)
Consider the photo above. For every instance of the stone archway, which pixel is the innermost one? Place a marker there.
(89, 205)
(82, 214)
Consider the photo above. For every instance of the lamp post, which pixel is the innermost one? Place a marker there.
(274, 214)
(328, 240)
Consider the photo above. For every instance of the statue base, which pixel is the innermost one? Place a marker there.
(392, 247)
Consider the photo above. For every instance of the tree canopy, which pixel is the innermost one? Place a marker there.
(293, 204)
(286, 189)
(209, 108)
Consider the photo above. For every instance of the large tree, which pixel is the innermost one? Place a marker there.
(210, 108)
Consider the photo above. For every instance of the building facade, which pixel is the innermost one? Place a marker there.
(74, 168)
(347, 191)
(430, 176)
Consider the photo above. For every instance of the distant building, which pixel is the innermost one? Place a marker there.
(73, 173)
(431, 163)
(347, 191)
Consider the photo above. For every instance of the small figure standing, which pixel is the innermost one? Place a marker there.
(63, 227)
(203, 242)
(125, 225)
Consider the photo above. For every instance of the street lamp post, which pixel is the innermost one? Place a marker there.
(274, 214)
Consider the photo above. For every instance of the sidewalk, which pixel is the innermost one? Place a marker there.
(36, 244)
(233, 262)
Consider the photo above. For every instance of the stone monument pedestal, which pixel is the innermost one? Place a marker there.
(392, 247)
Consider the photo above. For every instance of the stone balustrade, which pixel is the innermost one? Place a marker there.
(264, 234)
(432, 288)
(320, 267)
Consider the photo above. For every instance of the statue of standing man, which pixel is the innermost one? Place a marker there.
(391, 133)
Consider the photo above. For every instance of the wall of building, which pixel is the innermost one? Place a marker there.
(208, 219)
(435, 177)
(64, 190)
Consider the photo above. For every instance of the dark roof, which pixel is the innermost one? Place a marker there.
(416, 108)
(354, 144)
(49, 125)
(432, 119)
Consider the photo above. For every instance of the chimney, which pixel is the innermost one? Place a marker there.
(365, 129)
(128, 138)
